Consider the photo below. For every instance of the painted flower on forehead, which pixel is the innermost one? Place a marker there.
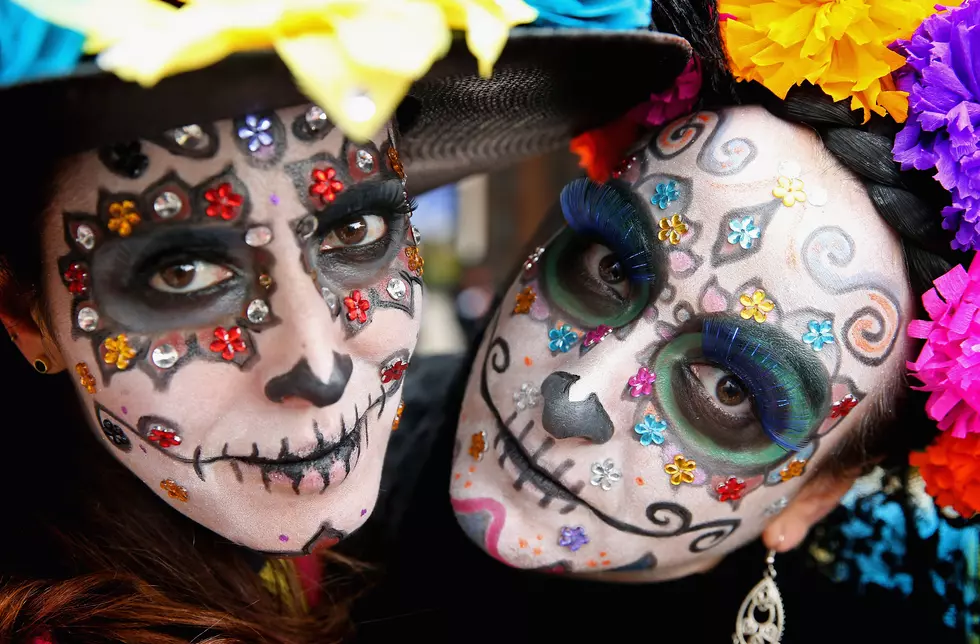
(755, 307)
(641, 383)
(681, 470)
(325, 185)
(357, 307)
(256, 132)
(562, 339)
(223, 202)
(596, 335)
(731, 489)
(664, 194)
(524, 300)
(744, 232)
(651, 430)
(672, 229)
(394, 372)
(572, 537)
(122, 217)
(77, 277)
(605, 474)
(818, 334)
(790, 191)
(117, 351)
(228, 342)
(793, 469)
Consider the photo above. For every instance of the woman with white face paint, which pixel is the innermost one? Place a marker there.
(222, 286)
(711, 346)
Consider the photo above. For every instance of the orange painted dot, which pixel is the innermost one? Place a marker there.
(472, 468)
(457, 475)
(522, 543)
(528, 361)
(602, 554)
(593, 563)
(640, 481)
(468, 484)
(537, 551)
(606, 562)
(540, 538)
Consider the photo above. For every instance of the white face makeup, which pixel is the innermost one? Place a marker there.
(655, 388)
(239, 316)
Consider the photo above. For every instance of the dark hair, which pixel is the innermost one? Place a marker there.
(909, 202)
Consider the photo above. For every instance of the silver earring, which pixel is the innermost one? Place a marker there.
(761, 619)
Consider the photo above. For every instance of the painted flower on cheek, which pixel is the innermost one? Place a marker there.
(756, 307)
(572, 538)
(394, 372)
(228, 343)
(843, 407)
(818, 334)
(664, 194)
(325, 184)
(672, 229)
(222, 202)
(415, 261)
(528, 396)
(794, 469)
(641, 384)
(173, 490)
(478, 445)
(117, 351)
(605, 474)
(790, 191)
(255, 132)
(596, 335)
(744, 232)
(524, 300)
(730, 490)
(681, 470)
(122, 217)
(163, 436)
(651, 430)
(357, 307)
(77, 277)
(562, 339)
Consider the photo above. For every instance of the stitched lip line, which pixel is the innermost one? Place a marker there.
(530, 472)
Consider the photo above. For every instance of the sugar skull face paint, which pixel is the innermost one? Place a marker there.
(242, 311)
(683, 392)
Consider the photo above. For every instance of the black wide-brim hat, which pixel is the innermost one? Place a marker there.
(547, 86)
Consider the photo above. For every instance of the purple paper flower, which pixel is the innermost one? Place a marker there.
(572, 538)
(942, 77)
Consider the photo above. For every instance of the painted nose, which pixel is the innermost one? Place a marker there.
(301, 382)
(564, 418)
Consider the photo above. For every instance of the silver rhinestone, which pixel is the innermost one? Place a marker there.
(306, 227)
(257, 311)
(85, 236)
(167, 205)
(417, 234)
(164, 356)
(87, 318)
(316, 118)
(365, 161)
(396, 288)
(189, 137)
(258, 236)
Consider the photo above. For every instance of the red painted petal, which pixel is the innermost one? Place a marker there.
(223, 190)
(364, 305)
(228, 353)
(330, 173)
(336, 186)
(218, 345)
(213, 210)
(234, 333)
(220, 333)
(235, 199)
(238, 345)
(211, 195)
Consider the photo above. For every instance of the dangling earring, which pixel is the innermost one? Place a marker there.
(42, 364)
(760, 619)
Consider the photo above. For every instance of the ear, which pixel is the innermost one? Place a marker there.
(815, 501)
(36, 346)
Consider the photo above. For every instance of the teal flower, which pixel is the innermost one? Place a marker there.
(744, 232)
(819, 334)
(562, 338)
(664, 194)
(33, 48)
(593, 14)
(651, 430)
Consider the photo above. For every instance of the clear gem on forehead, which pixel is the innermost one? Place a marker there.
(306, 227)
(189, 137)
(396, 288)
(257, 311)
(164, 356)
(167, 205)
(365, 161)
(316, 118)
(85, 236)
(258, 236)
(87, 318)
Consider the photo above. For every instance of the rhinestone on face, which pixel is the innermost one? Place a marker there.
(189, 137)
(265, 281)
(167, 205)
(257, 311)
(87, 318)
(85, 237)
(164, 356)
(306, 227)
(365, 161)
(316, 118)
(258, 236)
(396, 288)
(417, 234)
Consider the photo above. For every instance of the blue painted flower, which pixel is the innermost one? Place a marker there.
(744, 232)
(664, 194)
(255, 132)
(33, 48)
(593, 14)
(562, 338)
(651, 430)
(820, 333)
(572, 538)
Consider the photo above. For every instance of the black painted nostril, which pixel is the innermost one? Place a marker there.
(566, 419)
(301, 382)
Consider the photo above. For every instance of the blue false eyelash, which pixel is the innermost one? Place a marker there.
(785, 412)
(597, 210)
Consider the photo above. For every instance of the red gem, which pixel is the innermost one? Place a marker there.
(394, 372)
(730, 490)
(843, 406)
(228, 343)
(77, 278)
(325, 185)
(164, 437)
(357, 307)
(224, 202)
(623, 166)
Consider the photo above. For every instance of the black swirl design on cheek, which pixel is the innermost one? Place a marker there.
(676, 520)
(503, 349)
(729, 157)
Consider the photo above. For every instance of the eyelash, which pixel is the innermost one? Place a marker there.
(386, 199)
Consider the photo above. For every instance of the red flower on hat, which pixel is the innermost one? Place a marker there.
(600, 151)
(325, 185)
(223, 202)
(357, 307)
(394, 372)
(77, 278)
(730, 490)
(228, 343)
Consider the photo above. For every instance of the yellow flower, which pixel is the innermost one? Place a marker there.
(794, 469)
(415, 261)
(672, 229)
(122, 217)
(839, 45)
(85, 377)
(524, 300)
(173, 490)
(478, 446)
(789, 190)
(755, 306)
(339, 51)
(681, 470)
(118, 351)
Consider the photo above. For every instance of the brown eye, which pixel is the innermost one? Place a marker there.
(355, 232)
(729, 391)
(610, 270)
(178, 276)
(188, 277)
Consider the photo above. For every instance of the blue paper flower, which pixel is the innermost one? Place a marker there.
(593, 14)
(744, 232)
(255, 132)
(820, 333)
(651, 430)
(562, 338)
(665, 193)
(33, 48)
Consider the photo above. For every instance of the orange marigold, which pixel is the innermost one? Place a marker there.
(599, 151)
(950, 468)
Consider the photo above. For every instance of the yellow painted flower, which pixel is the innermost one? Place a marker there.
(355, 58)
(755, 306)
(672, 229)
(790, 191)
(117, 351)
(415, 261)
(794, 469)
(122, 217)
(839, 45)
(524, 300)
(681, 470)
(85, 377)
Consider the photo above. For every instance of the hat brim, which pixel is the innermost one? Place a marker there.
(547, 86)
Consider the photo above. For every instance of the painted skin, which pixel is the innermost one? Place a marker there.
(664, 481)
(282, 431)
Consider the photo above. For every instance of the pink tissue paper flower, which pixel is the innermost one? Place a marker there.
(675, 101)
